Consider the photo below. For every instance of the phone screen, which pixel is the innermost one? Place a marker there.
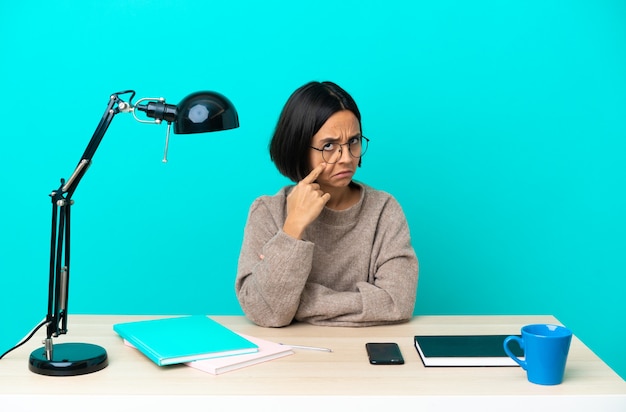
(386, 353)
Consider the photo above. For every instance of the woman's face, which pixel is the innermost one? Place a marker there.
(340, 128)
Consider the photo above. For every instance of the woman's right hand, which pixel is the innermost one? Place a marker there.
(305, 203)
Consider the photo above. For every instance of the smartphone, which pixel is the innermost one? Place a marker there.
(384, 353)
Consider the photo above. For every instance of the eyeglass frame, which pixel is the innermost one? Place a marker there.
(341, 149)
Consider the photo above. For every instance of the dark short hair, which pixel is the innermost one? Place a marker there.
(304, 114)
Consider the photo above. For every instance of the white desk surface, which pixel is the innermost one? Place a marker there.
(309, 380)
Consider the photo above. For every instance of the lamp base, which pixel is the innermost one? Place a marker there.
(69, 359)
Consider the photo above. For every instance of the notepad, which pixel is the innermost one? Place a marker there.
(183, 339)
(465, 350)
(267, 351)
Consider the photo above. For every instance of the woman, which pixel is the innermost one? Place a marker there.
(328, 250)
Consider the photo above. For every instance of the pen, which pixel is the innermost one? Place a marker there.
(308, 347)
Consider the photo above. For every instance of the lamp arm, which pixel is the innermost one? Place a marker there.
(116, 105)
(58, 288)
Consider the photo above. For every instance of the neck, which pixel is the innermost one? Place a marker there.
(342, 197)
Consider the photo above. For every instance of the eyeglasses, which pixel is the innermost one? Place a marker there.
(357, 146)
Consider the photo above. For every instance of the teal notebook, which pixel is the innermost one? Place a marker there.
(183, 339)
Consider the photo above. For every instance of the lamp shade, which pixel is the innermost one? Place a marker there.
(205, 112)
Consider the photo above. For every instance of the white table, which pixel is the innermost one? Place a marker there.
(310, 380)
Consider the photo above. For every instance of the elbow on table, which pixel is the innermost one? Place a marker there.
(260, 313)
(403, 313)
(268, 320)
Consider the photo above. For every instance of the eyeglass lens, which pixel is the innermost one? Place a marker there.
(356, 147)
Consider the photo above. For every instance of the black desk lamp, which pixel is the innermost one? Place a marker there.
(197, 113)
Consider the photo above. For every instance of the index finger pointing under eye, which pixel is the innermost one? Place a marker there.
(311, 177)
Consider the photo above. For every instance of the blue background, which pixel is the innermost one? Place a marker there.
(499, 126)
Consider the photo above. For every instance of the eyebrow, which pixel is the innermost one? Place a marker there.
(336, 139)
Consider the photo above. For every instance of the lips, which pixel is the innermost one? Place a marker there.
(343, 174)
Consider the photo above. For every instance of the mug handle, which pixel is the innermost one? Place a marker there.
(508, 351)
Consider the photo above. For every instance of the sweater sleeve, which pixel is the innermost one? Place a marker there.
(272, 271)
(389, 294)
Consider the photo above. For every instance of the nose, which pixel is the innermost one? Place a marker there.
(344, 150)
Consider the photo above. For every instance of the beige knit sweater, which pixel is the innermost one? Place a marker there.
(354, 267)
